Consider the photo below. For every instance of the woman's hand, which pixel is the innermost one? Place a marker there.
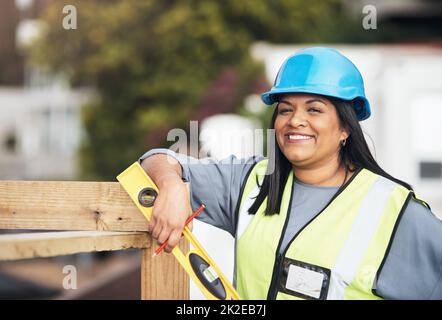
(170, 212)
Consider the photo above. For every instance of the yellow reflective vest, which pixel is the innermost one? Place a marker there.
(337, 255)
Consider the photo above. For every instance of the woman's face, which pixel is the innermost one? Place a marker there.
(307, 130)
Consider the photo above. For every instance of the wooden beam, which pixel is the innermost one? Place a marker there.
(68, 205)
(49, 244)
(162, 277)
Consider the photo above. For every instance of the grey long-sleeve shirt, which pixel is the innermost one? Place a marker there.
(413, 267)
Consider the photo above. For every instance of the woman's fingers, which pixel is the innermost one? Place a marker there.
(157, 228)
(167, 231)
(172, 208)
(164, 235)
(173, 240)
(170, 231)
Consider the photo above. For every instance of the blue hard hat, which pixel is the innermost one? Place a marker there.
(322, 71)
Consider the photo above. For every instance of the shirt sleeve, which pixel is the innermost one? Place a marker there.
(216, 183)
(413, 267)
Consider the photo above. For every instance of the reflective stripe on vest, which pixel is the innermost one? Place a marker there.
(350, 237)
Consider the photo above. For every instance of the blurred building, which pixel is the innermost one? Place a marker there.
(40, 131)
(40, 127)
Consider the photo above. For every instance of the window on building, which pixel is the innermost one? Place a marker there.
(10, 142)
(430, 169)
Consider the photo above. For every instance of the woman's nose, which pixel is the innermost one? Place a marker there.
(298, 119)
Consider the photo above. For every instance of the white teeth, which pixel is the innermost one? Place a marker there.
(299, 137)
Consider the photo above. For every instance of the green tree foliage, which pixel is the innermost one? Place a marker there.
(156, 65)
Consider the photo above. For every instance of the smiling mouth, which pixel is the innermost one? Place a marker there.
(298, 137)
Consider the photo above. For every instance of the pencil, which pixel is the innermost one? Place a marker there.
(190, 218)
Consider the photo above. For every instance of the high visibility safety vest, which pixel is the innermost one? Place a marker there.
(337, 255)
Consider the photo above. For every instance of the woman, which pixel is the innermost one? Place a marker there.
(327, 222)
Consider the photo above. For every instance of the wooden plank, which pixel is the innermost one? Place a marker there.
(68, 205)
(49, 244)
(162, 277)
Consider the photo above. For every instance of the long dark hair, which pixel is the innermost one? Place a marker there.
(355, 154)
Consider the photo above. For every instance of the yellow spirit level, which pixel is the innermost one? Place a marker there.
(197, 263)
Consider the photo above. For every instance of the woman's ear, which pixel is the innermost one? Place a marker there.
(344, 134)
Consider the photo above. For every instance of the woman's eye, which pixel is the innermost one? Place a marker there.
(314, 110)
(284, 111)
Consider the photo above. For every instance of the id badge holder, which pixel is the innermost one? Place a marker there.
(304, 280)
